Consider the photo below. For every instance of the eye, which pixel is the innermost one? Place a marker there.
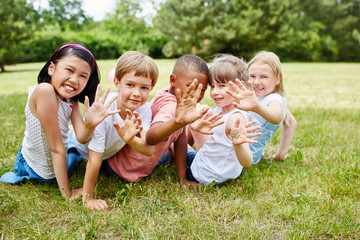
(130, 85)
(222, 85)
(69, 69)
(145, 88)
(84, 76)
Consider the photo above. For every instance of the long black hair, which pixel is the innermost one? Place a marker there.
(83, 53)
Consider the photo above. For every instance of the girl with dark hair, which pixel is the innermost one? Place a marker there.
(70, 76)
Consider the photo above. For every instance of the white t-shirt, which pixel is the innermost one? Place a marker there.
(216, 160)
(106, 139)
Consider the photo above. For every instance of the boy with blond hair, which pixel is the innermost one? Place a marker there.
(135, 76)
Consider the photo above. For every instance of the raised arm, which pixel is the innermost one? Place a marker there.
(92, 115)
(131, 132)
(186, 113)
(241, 133)
(246, 100)
(288, 132)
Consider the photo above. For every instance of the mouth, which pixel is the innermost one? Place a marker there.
(134, 101)
(69, 88)
(257, 89)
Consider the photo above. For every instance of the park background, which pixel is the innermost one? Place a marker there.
(314, 194)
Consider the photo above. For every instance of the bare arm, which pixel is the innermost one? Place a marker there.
(185, 113)
(131, 132)
(286, 137)
(180, 152)
(44, 105)
(240, 134)
(91, 175)
(247, 101)
(93, 115)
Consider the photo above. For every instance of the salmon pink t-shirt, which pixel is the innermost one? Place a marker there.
(132, 165)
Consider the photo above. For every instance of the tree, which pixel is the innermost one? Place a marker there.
(66, 13)
(16, 17)
(294, 29)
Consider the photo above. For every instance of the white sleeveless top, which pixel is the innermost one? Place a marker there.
(216, 160)
(35, 148)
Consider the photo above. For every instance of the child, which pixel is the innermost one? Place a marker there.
(68, 77)
(172, 108)
(266, 101)
(135, 76)
(223, 154)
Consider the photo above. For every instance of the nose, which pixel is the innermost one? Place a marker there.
(255, 80)
(136, 92)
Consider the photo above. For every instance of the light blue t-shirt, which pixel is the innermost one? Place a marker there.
(267, 129)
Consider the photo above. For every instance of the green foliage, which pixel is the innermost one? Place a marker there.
(16, 18)
(68, 14)
(295, 30)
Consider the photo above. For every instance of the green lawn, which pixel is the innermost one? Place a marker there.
(314, 194)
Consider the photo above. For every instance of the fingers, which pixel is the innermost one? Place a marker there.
(189, 92)
(86, 102)
(198, 92)
(117, 126)
(178, 95)
(128, 114)
(97, 94)
(237, 123)
(204, 110)
(103, 99)
(248, 124)
(97, 204)
(250, 87)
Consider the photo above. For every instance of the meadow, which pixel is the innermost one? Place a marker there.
(313, 194)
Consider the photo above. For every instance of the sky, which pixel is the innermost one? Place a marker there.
(98, 9)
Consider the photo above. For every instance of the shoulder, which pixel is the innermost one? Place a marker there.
(271, 97)
(44, 91)
(44, 88)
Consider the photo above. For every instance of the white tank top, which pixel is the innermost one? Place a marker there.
(35, 148)
(216, 160)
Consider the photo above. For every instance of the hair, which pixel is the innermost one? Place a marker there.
(227, 67)
(190, 63)
(273, 61)
(142, 64)
(83, 53)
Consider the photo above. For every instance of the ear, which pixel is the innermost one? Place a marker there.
(172, 80)
(278, 80)
(117, 83)
(51, 69)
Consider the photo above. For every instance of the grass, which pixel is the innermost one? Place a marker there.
(314, 194)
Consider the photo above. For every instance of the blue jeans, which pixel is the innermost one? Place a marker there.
(24, 171)
(191, 153)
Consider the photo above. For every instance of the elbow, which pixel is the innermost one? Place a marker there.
(150, 140)
(149, 151)
(247, 164)
(83, 140)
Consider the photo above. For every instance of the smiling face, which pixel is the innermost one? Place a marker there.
(220, 97)
(133, 91)
(183, 80)
(263, 79)
(69, 76)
